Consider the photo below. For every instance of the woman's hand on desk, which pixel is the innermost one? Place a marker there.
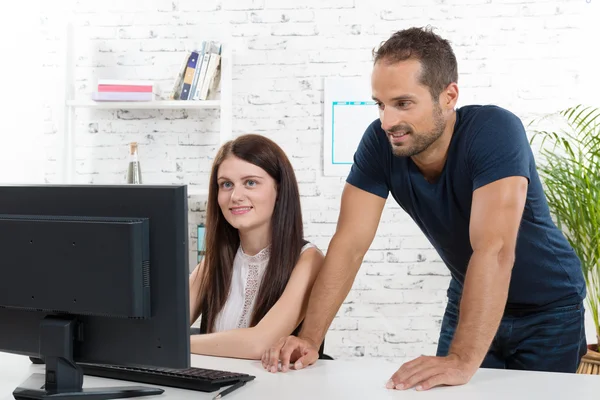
(291, 349)
(425, 373)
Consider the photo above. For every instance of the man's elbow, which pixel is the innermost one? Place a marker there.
(506, 258)
(349, 247)
(502, 253)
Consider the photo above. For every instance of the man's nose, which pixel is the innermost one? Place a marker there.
(389, 118)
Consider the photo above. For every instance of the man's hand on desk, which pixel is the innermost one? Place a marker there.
(291, 349)
(424, 373)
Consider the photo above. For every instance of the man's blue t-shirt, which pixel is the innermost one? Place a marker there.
(489, 143)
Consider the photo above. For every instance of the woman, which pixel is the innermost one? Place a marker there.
(253, 285)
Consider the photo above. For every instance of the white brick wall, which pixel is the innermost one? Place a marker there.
(530, 56)
(22, 159)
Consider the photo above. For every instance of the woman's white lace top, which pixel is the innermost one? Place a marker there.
(248, 272)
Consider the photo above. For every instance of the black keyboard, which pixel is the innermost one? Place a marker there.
(203, 380)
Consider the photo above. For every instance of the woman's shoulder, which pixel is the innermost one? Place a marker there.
(311, 257)
(307, 246)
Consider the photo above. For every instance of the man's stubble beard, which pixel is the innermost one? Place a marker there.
(420, 141)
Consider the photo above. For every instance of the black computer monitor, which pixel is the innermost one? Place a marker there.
(94, 274)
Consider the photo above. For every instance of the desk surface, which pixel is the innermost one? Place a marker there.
(343, 379)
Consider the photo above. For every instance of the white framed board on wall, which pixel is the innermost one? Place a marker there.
(348, 111)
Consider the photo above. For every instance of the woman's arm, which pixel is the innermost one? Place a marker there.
(195, 283)
(280, 320)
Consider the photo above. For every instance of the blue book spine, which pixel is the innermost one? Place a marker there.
(188, 78)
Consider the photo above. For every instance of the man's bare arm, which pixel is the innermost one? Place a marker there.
(496, 215)
(357, 224)
(359, 217)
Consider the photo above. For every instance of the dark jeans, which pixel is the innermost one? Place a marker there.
(551, 340)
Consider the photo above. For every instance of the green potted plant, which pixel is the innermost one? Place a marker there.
(569, 165)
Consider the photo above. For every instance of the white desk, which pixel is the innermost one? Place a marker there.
(343, 379)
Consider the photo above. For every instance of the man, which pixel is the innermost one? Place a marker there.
(467, 177)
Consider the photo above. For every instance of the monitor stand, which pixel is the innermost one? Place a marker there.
(64, 378)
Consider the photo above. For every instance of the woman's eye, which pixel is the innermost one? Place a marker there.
(226, 185)
(251, 182)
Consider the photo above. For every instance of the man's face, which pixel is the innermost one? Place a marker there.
(408, 114)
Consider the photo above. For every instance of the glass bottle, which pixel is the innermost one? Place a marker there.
(201, 243)
(134, 173)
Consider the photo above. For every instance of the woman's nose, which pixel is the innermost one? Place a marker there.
(237, 194)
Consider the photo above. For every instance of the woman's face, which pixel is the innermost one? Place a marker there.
(246, 195)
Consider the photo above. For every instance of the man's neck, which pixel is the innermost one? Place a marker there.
(431, 161)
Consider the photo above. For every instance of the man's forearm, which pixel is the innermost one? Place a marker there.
(482, 306)
(330, 289)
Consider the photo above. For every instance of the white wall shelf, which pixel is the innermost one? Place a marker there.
(145, 105)
(71, 104)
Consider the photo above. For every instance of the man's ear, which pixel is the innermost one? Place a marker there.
(449, 97)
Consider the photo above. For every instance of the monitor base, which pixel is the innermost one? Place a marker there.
(32, 389)
(63, 379)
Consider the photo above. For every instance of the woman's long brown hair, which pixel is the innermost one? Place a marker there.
(222, 240)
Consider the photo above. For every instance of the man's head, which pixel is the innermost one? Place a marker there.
(414, 84)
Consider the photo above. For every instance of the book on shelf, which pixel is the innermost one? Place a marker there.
(188, 77)
(123, 96)
(197, 77)
(120, 82)
(124, 90)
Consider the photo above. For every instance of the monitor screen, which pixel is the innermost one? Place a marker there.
(95, 274)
